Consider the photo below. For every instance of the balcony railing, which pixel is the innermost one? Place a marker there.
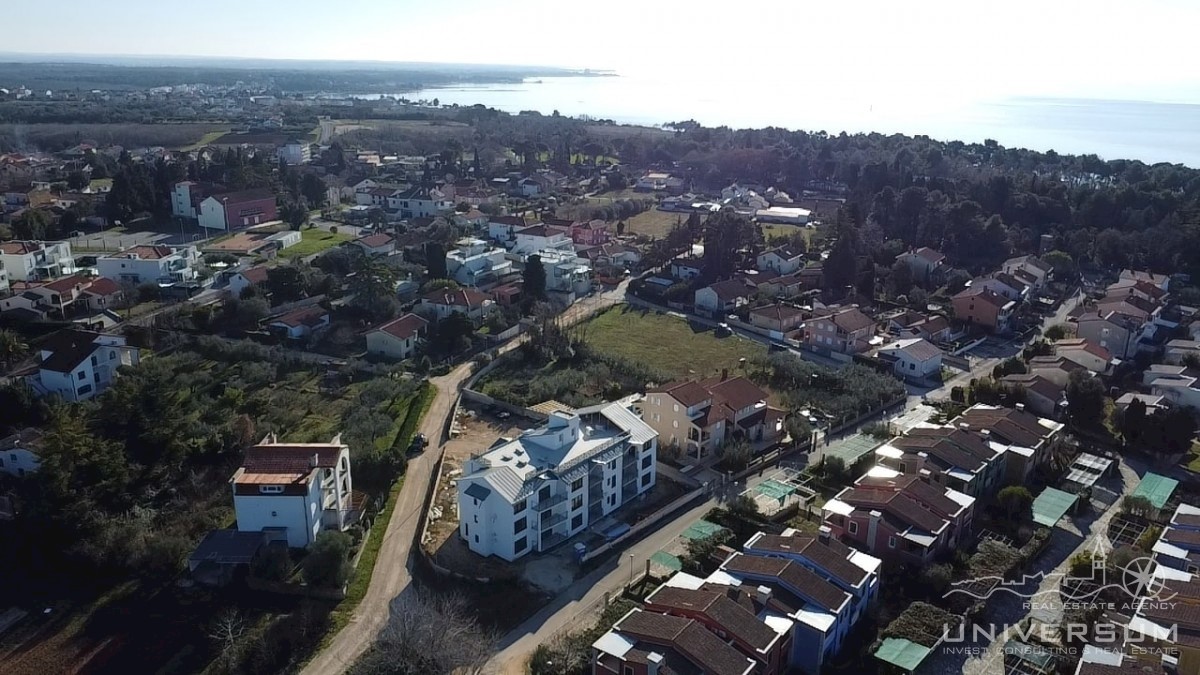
(553, 501)
(547, 522)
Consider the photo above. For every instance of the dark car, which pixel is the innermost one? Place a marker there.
(418, 443)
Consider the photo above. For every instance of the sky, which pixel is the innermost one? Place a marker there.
(1094, 48)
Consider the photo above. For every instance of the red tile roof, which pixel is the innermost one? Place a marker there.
(982, 293)
(145, 252)
(403, 327)
(463, 297)
(721, 612)
(103, 286)
(306, 316)
(798, 578)
(698, 644)
(67, 283)
(829, 554)
(20, 247)
(376, 240)
(256, 274)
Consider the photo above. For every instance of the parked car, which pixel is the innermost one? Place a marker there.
(418, 443)
(723, 330)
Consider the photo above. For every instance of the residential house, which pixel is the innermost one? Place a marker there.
(103, 294)
(503, 229)
(786, 215)
(420, 202)
(778, 318)
(1179, 351)
(985, 308)
(652, 181)
(77, 365)
(686, 268)
(534, 186)
(701, 415)
(475, 263)
(35, 260)
(719, 299)
(237, 210)
(19, 452)
(593, 232)
(1086, 353)
(186, 197)
(1151, 402)
(612, 255)
(300, 324)
(913, 358)
(1041, 395)
(1030, 269)
(397, 339)
(849, 569)
(1026, 439)
(648, 643)
(1179, 545)
(295, 490)
(899, 517)
(740, 624)
(1057, 369)
(1116, 332)
(1183, 390)
(820, 611)
(373, 195)
(1165, 626)
(957, 458)
(1143, 290)
(294, 153)
(376, 244)
(150, 264)
(548, 484)
(935, 328)
(24, 307)
(475, 219)
(1162, 281)
(567, 275)
(536, 238)
(437, 305)
(781, 260)
(252, 276)
(1004, 285)
(59, 295)
(928, 265)
(844, 330)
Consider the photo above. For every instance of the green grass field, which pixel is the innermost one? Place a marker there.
(205, 140)
(667, 342)
(315, 241)
(779, 230)
(654, 223)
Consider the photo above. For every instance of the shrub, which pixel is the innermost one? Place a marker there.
(328, 560)
(274, 564)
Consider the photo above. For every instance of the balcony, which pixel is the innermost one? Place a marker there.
(549, 521)
(552, 502)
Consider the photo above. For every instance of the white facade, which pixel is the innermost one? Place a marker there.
(551, 483)
(31, 261)
(295, 153)
(296, 488)
(150, 264)
(17, 456)
(181, 201)
(212, 214)
(420, 203)
(539, 238)
(82, 364)
(780, 261)
(913, 358)
(566, 272)
(476, 264)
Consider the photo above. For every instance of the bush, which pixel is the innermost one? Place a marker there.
(328, 560)
(273, 565)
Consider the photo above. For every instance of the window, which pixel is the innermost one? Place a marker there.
(519, 525)
(85, 389)
(577, 484)
(81, 374)
(576, 502)
(676, 407)
(891, 542)
(270, 489)
(912, 366)
(577, 522)
(612, 464)
(544, 494)
(853, 527)
(627, 670)
(675, 424)
(519, 507)
(647, 461)
(520, 545)
(644, 481)
(95, 361)
(476, 539)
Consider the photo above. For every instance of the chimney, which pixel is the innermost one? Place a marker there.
(823, 533)
(654, 661)
(1020, 406)
(724, 374)
(964, 426)
(316, 459)
(763, 594)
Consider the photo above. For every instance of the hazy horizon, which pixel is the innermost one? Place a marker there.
(949, 49)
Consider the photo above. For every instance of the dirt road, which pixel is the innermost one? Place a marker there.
(391, 570)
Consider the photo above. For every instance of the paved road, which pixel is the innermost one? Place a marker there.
(392, 574)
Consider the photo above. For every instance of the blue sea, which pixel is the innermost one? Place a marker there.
(1113, 129)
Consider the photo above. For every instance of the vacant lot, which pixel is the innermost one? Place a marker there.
(666, 343)
(774, 230)
(55, 137)
(654, 223)
(315, 241)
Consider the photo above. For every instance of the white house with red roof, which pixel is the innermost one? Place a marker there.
(60, 294)
(252, 276)
(295, 490)
(103, 293)
(913, 358)
(33, 260)
(398, 338)
(437, 305)
(376, 244)
(700, 416)
(300, 324)
(926, 264)
(150, 264)
(537, 238)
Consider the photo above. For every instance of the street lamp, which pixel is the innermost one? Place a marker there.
(630, 569)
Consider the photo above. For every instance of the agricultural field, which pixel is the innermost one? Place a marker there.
(654, 223)
(776, 230)
(53, 137)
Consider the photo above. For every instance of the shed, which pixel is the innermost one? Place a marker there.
(1051, 505)
(904, 654)
(1156, 489)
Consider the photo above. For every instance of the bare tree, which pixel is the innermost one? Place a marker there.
(430, 633)
(227, 632)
